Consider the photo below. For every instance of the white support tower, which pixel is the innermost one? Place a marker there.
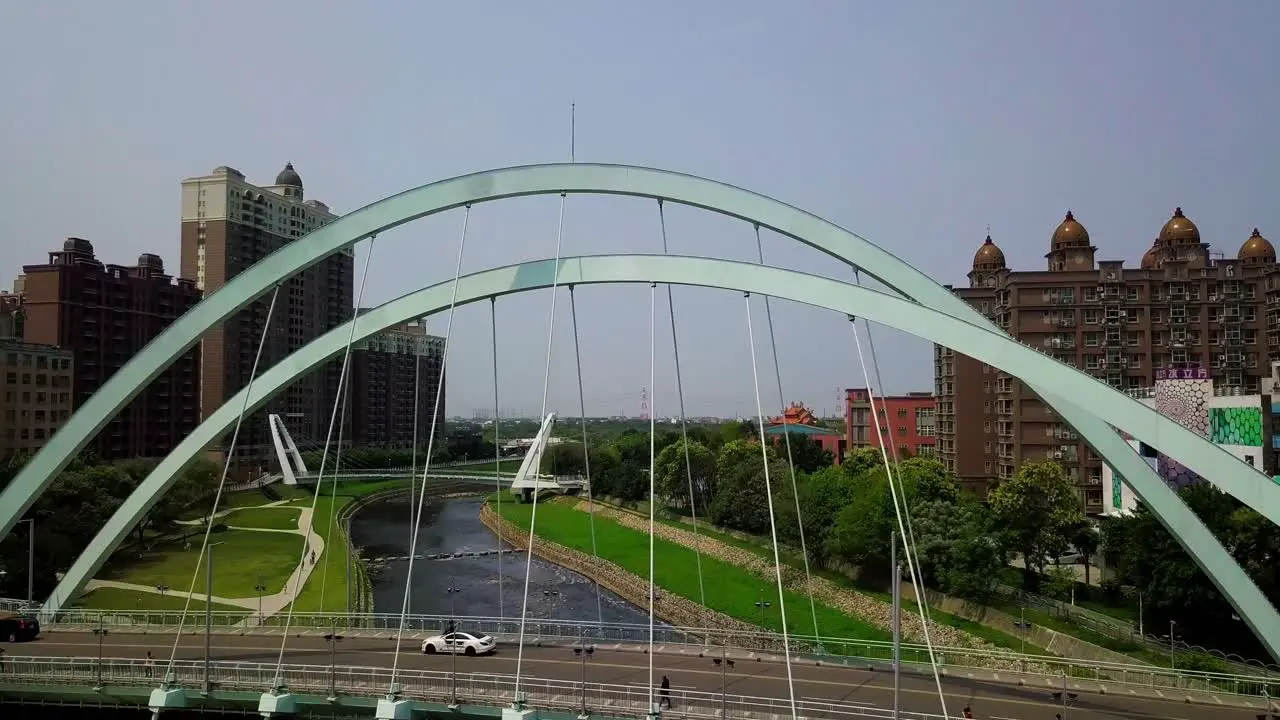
(528, 480)
(291, 464)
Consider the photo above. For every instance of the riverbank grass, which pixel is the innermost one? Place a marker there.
(729, 589)
(279, 517)
(241, 560)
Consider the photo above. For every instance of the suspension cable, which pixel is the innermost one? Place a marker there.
(586, 451)
(786, 435)
(684, 425)
(324, 457)
(431, 438)
(222, 481)
(653, 497)
(343, 390)
(542, 417)
(912, 548)
(497, 447)
(768, 489)
(898, 507)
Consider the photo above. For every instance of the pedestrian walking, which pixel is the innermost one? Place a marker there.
(149, 665)
(969, 713)
(665, 693)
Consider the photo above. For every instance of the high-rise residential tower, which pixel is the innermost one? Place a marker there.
(1184, 309)
(228, 224)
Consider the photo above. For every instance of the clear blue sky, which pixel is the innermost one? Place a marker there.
(915, 124)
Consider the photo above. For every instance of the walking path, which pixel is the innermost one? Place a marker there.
(270, 604)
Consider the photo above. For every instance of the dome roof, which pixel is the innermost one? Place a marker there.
(1069, 234)
(289, 176)
(151, 260)
(1179, 230)
(989, 256)
(78, 245)
(1150, 257)
(1257, 249)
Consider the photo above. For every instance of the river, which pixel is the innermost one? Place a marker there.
(382, 529)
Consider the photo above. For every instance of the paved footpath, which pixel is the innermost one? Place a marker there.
(847, 686)
(270, 604)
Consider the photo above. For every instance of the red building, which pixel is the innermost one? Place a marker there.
(907, 422)
(800, 422)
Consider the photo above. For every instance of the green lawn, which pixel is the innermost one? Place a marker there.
(128, 601)
(280, 517)
(730, 589)
(328, 595)
(241, 560)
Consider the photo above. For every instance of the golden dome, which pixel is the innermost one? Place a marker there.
(1069, 234)
(1257, 250)
(1150, 258)
(1179, 230)
(989, 257)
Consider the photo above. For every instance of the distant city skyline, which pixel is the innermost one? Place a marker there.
(917, 125)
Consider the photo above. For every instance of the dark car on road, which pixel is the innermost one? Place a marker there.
(18, 628)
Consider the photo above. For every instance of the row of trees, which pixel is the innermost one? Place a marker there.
(70, 513)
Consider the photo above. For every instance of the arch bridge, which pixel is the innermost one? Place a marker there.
(913, 303)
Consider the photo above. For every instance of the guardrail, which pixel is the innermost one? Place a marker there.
(492, 690)
(830, 650)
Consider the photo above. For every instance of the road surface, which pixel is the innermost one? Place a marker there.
(989, 701)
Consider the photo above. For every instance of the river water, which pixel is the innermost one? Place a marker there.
(382, 529)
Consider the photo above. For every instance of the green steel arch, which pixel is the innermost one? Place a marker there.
(1233, 476)
(987, 345)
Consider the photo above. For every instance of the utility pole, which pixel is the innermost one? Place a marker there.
(584, 651)
(260, 588)
(1173, 658)
(1141, 634)
(725, 663)
(896, 570)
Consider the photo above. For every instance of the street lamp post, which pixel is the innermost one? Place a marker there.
(762, 604)
(584, 651)
(724, 663)
(453, 591)
(101, 633)
(333, 638)
(31, 559)
(260, 588)
(1173, 659)
(208, 617)
(1141, 634)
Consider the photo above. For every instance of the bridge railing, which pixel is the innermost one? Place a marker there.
(487, 689)
(829, 650)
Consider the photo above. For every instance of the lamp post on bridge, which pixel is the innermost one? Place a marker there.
(208, 616)
(724, 663)
(453, 591)
(101, 633)
(762, 604)
(333, 638)
(584, 651)
(260, 588)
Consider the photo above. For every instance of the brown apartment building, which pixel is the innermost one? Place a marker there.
(228, 224)
(384, 370)
(1182, 307)
(35, 384)
(103, 315)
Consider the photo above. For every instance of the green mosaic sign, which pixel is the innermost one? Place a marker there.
(1236, 426)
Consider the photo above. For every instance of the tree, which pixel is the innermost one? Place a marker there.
(807, 454)
(957, 549)
(673, 475)
(862, 460)
(1036, 511)
(565, 458)
(822, 496)
(1086, 539)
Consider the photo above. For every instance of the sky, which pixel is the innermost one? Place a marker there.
(917, 125)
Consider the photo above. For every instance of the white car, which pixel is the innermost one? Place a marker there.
(458, 642)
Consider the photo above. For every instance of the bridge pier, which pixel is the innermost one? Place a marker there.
(167, 697)
(517, 710)
(277, 702)
(394, 707)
